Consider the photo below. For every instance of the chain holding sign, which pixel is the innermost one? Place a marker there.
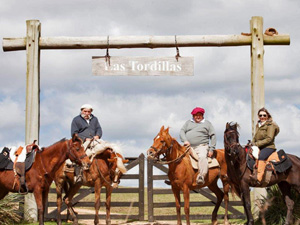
(143, 66)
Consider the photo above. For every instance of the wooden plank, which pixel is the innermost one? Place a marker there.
(100, 42)
(141, 186)
(142, 66)
(150, 190)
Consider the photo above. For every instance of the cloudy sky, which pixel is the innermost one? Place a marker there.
(131, 109)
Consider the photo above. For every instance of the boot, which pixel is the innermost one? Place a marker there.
(20, 169)
(261, 170)
(200, 179)
(78, 174)
(253, 176)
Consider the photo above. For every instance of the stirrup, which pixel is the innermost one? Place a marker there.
(24, 187)
(200, 179)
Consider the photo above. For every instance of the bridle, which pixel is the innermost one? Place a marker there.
(234, 154)
(157, 151)
(70, 153)
(115, 172)
(232, 145)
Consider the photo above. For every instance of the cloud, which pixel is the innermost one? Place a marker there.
(131, 110)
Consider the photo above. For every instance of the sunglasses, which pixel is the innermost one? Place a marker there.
(262, 115)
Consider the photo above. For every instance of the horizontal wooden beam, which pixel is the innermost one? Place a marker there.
(14, 44)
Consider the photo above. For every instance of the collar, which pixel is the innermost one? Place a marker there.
(202, 121)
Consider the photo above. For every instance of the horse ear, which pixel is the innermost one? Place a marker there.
(167, 130)
(162, 129)
(110, 160)
(74, 137)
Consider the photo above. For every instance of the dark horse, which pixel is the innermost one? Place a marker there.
(41, 174)
(239, 173)
(106, 170)
(182, 174)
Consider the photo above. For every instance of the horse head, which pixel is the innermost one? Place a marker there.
(162, 143)
(76, 152)
(117, 167)
(231, 139)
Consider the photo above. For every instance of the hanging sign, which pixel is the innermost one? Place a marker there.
(142, 66)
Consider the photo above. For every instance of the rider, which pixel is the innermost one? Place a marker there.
(198, 132)
(264, 139)
(87, 126)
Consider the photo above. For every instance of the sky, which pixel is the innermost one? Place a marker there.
(132, 109)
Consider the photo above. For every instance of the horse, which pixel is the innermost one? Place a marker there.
(239, 174)
(182, 175)
(41, 174)
(106, 170)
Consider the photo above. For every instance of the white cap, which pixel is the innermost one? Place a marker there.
(86, 106)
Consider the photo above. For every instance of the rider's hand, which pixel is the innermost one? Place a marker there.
(186, 143)
(96, 137)
(210, 154)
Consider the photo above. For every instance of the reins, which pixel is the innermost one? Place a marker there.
(174, 160)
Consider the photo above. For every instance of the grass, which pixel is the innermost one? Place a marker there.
(133, 197)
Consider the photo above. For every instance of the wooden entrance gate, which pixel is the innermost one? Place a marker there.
(152, 205)
(84, 192)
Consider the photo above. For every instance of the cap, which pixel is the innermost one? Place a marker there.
(86, 106)
(198, 110)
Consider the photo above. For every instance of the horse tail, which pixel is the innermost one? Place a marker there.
(121, 165)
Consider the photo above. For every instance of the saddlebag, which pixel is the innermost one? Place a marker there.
(4, 155)
(284, 164)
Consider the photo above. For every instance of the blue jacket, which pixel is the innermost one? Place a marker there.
(85, 130)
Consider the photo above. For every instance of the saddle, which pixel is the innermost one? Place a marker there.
(212, 162)
(7, 164)
(278, 160)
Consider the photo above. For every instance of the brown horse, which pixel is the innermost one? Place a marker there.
(182, 175)
(239, 173)
(106, 170)
(41, 174)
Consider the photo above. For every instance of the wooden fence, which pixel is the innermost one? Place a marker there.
(84, 192)
(151, 193)
(234, 213)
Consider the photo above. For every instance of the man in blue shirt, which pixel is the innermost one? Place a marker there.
(86, 125)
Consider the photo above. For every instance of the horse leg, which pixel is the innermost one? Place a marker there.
(38, 195)
(107, 204)
(97, 200)
(226, 188)
(186, 197)
(72, 191)
(219, 194)
(176, 193)
(245, 196)
(285, 189)
(58, 202)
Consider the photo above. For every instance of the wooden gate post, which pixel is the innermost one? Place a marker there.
(257, 85)
(141, 187)
(150, 189)
(32, 123)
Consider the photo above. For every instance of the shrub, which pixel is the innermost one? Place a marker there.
(8, 209)
(276, 211)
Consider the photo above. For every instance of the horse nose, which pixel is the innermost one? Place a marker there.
(86, 166)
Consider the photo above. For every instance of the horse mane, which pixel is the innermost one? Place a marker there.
(62, 140)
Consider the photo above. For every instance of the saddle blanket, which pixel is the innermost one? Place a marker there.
(212, 162)
(279, 160)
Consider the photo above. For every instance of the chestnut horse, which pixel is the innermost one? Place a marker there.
(106, 170)
(40, 176)
(239, 173)
(182, 175)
